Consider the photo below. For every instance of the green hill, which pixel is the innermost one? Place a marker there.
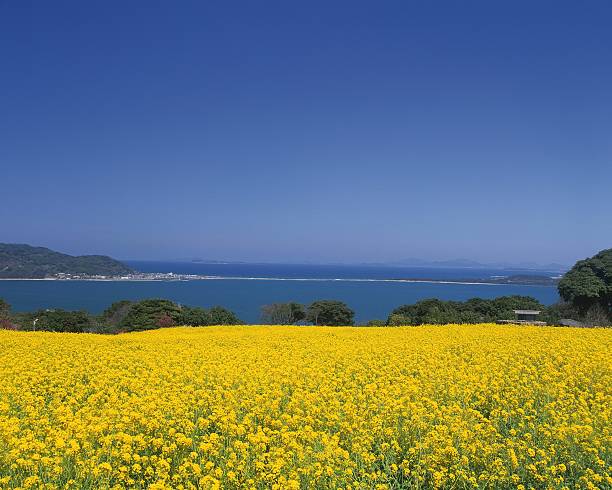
(27, 262)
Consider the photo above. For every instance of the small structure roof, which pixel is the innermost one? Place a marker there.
(527, 312)
(568, 322)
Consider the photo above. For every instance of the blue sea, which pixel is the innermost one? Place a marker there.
(362, 287)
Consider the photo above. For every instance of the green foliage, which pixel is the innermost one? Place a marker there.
(221, 316)
(146, 314)
(115, 313)
(398, 320)
(431, 311)
(588, 285)
(475, 310)
(55, 321)
(553, 314)
(5, 309)
(126, 316)
(194, 317)
(328, 312)
(217, 315)
(25, 261)
(283, 313)
(502, 307)
(376, 323)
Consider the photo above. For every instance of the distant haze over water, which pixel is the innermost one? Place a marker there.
(330, 271)
(369, 299)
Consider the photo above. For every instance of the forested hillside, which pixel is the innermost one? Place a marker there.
(25, 261)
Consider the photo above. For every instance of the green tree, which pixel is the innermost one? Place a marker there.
(222, 316)
(56, 321)
(588, 285)
(5, 309)
(115, 313)
(283, 313)
(328, 312)
(475, 310)
(200, 317)
(431, 310)
(194, 317)
(399, 320)
(504, 306)
(146, 314)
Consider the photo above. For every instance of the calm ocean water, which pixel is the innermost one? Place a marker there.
(245, 297)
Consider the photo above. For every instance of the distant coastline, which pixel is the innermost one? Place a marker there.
(22, 262)
(171, 277)
(245, 288)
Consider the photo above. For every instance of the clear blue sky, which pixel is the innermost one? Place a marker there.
(318, 131)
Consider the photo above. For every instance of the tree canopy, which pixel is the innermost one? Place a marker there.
(475, 310)
(588, 285)
(160, 313)
(217, 315)
(146, 314)
(328, 312)
(56, 320)
(5, 309)
(283, 313)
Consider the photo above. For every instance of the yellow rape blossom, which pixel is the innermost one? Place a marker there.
(480, 406)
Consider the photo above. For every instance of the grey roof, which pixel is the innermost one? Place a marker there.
(527, 312)
(568, 322)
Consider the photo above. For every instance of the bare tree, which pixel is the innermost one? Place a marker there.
(282, 313)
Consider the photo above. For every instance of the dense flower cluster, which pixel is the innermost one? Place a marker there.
(307, 407)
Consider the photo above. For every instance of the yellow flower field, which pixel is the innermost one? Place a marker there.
(458, 407)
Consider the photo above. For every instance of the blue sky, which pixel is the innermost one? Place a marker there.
(308, 131)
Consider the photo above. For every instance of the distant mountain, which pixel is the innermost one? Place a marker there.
(472, 264)
(459, 263)
(26, 262)
(205, 261)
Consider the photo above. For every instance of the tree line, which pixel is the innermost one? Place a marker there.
(585, 291)
(129, 316)
(121, 316)
(427, 311)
